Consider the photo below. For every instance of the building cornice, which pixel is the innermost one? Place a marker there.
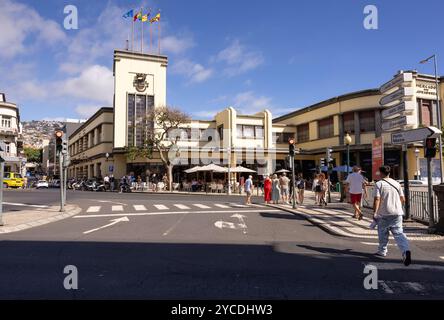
(348, 96)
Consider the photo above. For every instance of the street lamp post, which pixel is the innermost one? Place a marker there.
(348, 141)
(418, 171)
(229, 170)
(435, 62)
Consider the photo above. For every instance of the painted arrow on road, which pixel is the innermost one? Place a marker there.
(113, 222)
(231, 225)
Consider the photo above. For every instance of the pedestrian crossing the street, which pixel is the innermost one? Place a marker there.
(175, 206)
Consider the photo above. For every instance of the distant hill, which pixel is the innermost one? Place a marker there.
(35, 132)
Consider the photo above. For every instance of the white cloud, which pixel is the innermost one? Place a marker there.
(177, 45)
(20, 23)
(239, 59)
(86, 111)
(95, 83)
(205, 115)
(195, 72)
(248, 102)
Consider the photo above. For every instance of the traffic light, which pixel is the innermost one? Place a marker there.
(328, 155)
(291, 147)
(64, 147)
(322, 162)
(430, 148)
(59, 141)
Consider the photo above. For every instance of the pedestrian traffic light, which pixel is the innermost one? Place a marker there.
(291, 147)
(322, 162)
(328, 155)
(430, 148)
(59, 141)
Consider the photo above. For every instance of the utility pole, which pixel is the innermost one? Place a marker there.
(292, 152)
(406, 182)
(430, 153)
(329, 160)
(59, 154)
(2, 172)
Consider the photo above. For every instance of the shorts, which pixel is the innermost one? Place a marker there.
(284, 191)
(355, 198)
(248, 193)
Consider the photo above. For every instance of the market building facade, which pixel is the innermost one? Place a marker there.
(256, 141)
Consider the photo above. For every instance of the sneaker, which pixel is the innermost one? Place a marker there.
(380, 254)
(407, 258)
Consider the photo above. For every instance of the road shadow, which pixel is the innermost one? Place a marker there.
(282, 215)
(114, 270)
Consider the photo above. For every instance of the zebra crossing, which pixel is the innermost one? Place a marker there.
(175, 206)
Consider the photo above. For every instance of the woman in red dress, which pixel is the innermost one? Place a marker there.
(267, 189)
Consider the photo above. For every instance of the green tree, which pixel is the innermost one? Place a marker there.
(33, 154)
(161, 133)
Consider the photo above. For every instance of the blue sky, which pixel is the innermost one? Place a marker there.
(250, 54)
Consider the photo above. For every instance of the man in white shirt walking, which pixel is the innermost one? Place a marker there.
(356, 184)
(388, 200)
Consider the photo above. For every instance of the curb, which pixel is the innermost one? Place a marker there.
(40, 222)
(337, 231)
(316, 222)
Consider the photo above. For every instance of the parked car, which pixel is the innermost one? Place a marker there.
(42, 184)
(55, 183)
(13, 180)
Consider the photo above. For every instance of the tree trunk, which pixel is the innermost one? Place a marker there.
(170, 177)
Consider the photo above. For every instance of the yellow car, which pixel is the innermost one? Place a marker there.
(13, 180)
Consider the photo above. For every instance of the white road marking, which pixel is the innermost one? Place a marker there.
(237, 205)
(25, 205)
(385, 287)
(139, 207)
(94, 209)
(164, 213)
(113, 222)
(202, 206)
(375, 244)
(223, 206)
(242, 222)
(160, 207)
(181, 206)
(228, 225)
(174, 225)
(106, 201)
(415, 286)
(117, 208)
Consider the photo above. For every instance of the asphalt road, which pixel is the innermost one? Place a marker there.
(198, 247)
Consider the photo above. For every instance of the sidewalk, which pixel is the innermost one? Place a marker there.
(337, 219)
(21, 220)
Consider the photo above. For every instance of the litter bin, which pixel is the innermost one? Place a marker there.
(338, 187)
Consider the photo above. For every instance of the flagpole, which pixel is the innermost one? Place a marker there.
(132, 36)
(159, 37)
(151, 37)
(141, 23)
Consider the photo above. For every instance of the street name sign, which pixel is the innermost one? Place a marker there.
(399, 94)
(398, 123)
(401, 109)
(420, 134)
(397, 81)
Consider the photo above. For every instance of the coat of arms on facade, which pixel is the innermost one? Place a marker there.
(140, 82)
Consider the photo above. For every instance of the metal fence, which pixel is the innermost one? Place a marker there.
(419, 204)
